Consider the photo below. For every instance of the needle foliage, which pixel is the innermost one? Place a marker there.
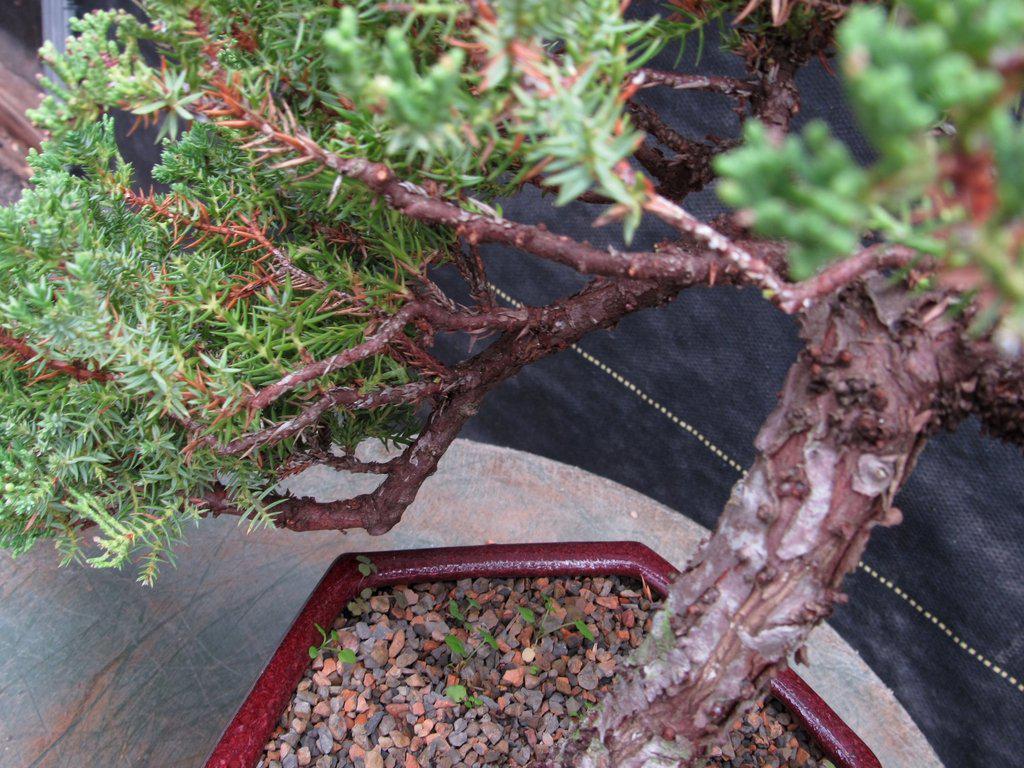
(138, 325)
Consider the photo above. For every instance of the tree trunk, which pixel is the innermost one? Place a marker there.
(857, 407)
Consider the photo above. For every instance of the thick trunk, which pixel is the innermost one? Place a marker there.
(855, 411)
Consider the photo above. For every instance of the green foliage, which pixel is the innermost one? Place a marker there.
(418, 110)
(569, 107)
(87, 279)
(926, 84)
(174, 307)
(102, 68)
(562, 113)
(904, 78)
(185, 322)
(807, 190)
(455, 645)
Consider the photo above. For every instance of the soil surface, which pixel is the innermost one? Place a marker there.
(484, 672)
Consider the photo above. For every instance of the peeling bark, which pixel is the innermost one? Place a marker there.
(856, 409)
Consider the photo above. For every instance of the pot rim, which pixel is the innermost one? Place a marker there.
(242, 741)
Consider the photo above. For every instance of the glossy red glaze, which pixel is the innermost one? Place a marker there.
(242, 742)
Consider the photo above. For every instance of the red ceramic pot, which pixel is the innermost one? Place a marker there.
(243, 740)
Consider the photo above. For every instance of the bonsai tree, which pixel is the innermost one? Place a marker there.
(172, 355)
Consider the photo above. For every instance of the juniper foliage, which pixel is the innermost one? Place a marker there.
(171, 309)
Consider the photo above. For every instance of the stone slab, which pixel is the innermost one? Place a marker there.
(96, 670)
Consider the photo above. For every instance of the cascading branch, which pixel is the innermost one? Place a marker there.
(190, 300)
(173, 354)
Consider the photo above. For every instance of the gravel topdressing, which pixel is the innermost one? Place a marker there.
(418, 651)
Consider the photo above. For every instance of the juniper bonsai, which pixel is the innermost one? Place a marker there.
(174, 354)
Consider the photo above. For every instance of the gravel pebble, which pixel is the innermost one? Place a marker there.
(391, 709)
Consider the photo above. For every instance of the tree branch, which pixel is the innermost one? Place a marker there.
(689, 170)
(302, 461)
(379, 510)
(392, 327)
(20, 349)
(800, 296)
(754, 269)
(338, 397)
(730, 86)
(416, 203)
(599, 305)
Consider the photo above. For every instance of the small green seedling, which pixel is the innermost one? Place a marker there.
(366, 566)
(345, 655)
(315, 650)
(457, 614)
(543, 627)
(453, 609)
(360, 605)
(456, 693)
(461, 695)
(488, 637)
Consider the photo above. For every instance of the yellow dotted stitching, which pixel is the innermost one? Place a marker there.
(739, 468)
(946, 629)
(641, 394)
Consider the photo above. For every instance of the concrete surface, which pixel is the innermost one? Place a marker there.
(98, 671)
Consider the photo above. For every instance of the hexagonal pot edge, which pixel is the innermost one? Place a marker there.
(243, 740)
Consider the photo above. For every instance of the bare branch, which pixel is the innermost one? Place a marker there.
(649, 121)
(416, 203)
(338, 397)
(347, 463)
(757, 271)
(730, 86)
(379, 510)
(471, 266)
(20, 349)
(800, 296)
(599, 305)
(689, 170)
(496, 320)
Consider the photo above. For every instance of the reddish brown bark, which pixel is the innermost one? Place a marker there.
(550, 329)
(22, 351)
(857, 406)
